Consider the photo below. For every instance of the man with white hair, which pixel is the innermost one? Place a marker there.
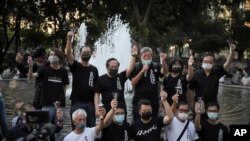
(81, 132)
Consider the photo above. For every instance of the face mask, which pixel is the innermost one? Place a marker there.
(146, 62)
(176, 69)
(53, 59)
(146, 115)
(86, 57)
(80, 126)
(207, 66)
(119, 118)
(182, 116)
(212, 115)
(113, 72)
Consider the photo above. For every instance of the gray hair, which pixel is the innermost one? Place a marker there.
(144, 49)
(79, 112)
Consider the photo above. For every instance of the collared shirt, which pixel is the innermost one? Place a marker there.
(207, 86)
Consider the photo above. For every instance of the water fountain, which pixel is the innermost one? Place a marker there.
(115, 42)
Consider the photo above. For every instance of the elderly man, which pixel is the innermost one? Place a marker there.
(81, 132)
(145, 80)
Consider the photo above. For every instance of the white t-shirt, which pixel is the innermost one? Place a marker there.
(175, 128)
(88, 135)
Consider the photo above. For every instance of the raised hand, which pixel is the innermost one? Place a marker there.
(114, 104)
(163, 95)
(30, 61)
(191, 60)
(197, 108)
(175, 98)
(134, 50)
(163, 56)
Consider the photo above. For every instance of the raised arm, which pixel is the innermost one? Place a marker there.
(96, 102)
(136, 79)
(175, 99)
(169, 113)
(131, 65)
(99, 127)
(68, 49)
(230, 57)
(164, 68)
(197, 120)
(110, 114)
(190, 73)
(31, 75)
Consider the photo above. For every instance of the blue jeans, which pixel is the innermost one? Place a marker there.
(3, 121)
(90, 110)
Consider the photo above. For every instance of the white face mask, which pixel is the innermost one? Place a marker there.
(182, 116)
(207, 66)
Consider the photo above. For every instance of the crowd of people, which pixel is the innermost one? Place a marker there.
(87, 87)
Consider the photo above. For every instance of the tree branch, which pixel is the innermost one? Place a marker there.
(137, 12)
(146, 17)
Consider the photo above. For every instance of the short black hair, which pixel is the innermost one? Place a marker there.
(121, 105)
(180, 103)
(143, 102)
(209, 54)
(209, 104)
(172, 61)
(87, 47)
(111, 59)
(38, 52)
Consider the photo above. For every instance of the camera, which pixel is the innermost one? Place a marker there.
(41, 128)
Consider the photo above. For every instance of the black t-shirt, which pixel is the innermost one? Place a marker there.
(147, 87)
(170, 83)
(24, 68)
(211, 132)
(84, 79)
(108, 85)
(151, 131)
(115, 132)
(53, 82)
(207, 87)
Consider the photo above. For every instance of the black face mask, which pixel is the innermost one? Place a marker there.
(113, 72)
(85, 57)
(146, 115)
(176, 69)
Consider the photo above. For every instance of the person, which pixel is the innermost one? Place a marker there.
(81, 132)
(145, 77)
(115, 126)
(54, 79)
(206, 80)
(111, 84)
(237, 76)
(3, 119)
(148, 128)
(180, 128)
(85, 77)
(210, 129)
(176, 81)
(23, 129)
(17, 108)
(40, 58)
(245, 81)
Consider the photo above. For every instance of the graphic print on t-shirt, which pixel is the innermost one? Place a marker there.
(55, 79)
(152, 77)
(148, 131)
(91, 79)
